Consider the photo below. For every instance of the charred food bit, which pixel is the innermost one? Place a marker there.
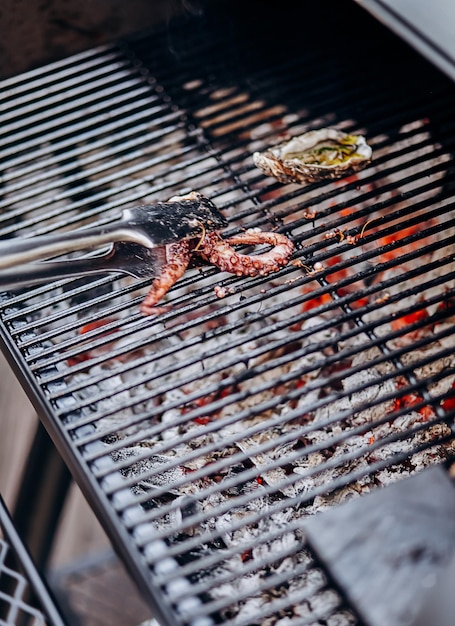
(220, 252)
(317, 155)
(220, 292)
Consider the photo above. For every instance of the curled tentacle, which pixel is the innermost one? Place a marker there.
(178, 256)
(221, 253)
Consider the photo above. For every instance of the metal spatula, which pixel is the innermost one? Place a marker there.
(136, 243)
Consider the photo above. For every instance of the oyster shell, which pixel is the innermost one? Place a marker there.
(314, 156)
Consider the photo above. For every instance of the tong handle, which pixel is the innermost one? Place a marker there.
(121, 258)
(150, 225)
(16, 252)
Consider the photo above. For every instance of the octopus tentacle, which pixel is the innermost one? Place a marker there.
(178, 256)
(221, 253)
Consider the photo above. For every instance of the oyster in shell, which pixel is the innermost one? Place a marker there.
(314, 156)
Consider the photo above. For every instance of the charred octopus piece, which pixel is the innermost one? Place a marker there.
(221, 253)
(178, 256)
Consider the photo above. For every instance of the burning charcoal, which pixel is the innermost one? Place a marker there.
(183, 508)
(189, 506)
(113, 424)
(169, 417)
(276, 476)
(166, 477)
(224, 522)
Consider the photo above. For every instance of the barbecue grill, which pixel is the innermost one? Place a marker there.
(206, 437)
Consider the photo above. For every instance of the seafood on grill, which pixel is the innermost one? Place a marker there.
(221, 253)
(317, 155)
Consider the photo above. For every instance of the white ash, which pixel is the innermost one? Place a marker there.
(114, 422)
(156, 462)
(187, 502)
(289, 479)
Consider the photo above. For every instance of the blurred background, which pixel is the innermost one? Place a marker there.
(35, 32)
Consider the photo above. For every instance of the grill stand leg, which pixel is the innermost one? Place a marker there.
(42, 494)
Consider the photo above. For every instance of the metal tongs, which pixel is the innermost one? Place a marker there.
(136, 243)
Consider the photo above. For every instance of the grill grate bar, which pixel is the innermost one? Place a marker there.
(316, 614)
(302, 336)
(218, 465)
(287, 76)
(376, 341)
(135, 193)
(280, 506)
(367, 256)
(338, 223)
(30, 144)
(29, 340)
(69, 112)
(48, 168)
(279, 343)
(105, 180)
(215, 125)
(65, 90)
(129, 120)
(206, 562)
(52, 72)
(272, 607)
(13, 315)
(228, 382)
(245, 500)
(269, 204)
(252, 125)
(135, 148)
(382, 204)
(420, 159)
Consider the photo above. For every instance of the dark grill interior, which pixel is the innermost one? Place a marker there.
(205, 436)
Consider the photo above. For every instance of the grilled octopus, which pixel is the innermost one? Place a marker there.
(221, 253)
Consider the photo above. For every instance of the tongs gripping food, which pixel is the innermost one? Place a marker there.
(141, 230)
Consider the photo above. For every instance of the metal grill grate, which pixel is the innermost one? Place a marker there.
(18, 578)
(205, 436)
